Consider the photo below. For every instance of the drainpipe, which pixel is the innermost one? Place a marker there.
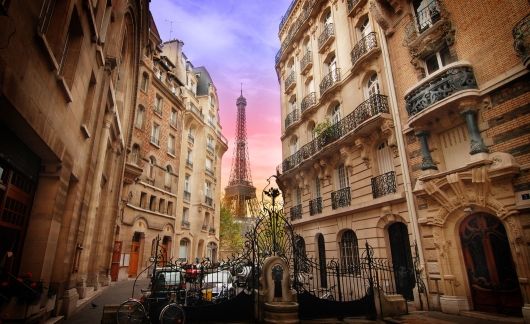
(401, 147)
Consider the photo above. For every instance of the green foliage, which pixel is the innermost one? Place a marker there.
(231, 238)
(321, 127)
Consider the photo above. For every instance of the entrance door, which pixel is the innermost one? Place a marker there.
(401, 259)
(135, 254)
(489, 265)
(115, 265)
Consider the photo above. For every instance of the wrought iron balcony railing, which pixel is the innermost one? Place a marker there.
(210, 147)
(208, 201)
(307, 61)
(369, 108)
(290, 81)
(329, 80)
(185, 224)
(315, 206)
(292, 117)
(327, 34)
(189, 163)
(521, 36)
(204, 227)
(211, 230)
(296, 212)
(428, 15)
(439, 87)
(191, 139)
(384, 184)
(187, 195)
(209, 171)
(340, 198)
(309, 101)
(365, 45)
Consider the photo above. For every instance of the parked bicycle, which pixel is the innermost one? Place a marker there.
(324, 293)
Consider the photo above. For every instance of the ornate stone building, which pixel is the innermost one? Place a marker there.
(460, 72)
(343, 178)
(68, 80)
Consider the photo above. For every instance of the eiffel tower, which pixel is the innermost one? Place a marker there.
(240, 194)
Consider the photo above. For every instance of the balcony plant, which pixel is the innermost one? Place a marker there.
(322, 127)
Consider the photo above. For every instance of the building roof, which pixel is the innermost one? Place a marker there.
(204, 80)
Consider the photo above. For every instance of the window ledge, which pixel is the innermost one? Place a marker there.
(48, 51)
(154, 144)
(85, 131)
(171, 154)
(66, 89)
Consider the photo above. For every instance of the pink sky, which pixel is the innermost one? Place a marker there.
(236, 40)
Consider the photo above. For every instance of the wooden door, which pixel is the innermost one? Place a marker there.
(133, 261)
(489, 265)
(404, 275)
(115, 265)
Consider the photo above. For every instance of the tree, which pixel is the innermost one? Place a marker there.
(231, 239)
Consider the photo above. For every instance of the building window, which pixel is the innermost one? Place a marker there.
(155, 134)
(143, 199)
(335, 114)
(170, 208)
(372, 86)
(294, 144)
(185, 215)
(384, 158)
(187, 183)
(427, 13)
(167, 179)
(184, 249)
(71, 50)
(342, 177)
(365, 28)
(158, 104)
(173, 118)
(438, 60)
(317, 187)
(211, 252)
(171, 144)
(135, 154)
(161, 205)
(349, 252)
(298, 196)
(152, 164)
(209, 165)
(152, 203)
(140, 114)
(145, 81)
(208, 189)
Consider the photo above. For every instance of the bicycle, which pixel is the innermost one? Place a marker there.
(132, 311)
(324, 293)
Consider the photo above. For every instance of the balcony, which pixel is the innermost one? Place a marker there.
(384, 184)
(191, 139)
(189, 163)
(309, 101)
(307, 62)
(331, 79)
(352, 6)
(521, 36)
(354, 121)
(366, 45)
(211, 231)
(454, 79)
(292, 118)
(208, 201)
(185, 224)
(210, 148)
(296, 212)
(315, 206)
(290, 82)
(187, 196)
(340, 198)
(326, 37)
(428, 16)
(209, 172)
(204, 227)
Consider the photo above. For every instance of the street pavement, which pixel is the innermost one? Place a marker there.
(115, 294)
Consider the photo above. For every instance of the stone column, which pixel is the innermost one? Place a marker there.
(427, 163)
(93, 204)
(477, 144)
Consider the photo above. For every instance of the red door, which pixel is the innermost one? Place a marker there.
(115, 266)
(490, 268)
(133, 261)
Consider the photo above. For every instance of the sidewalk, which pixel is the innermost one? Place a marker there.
(443, 318)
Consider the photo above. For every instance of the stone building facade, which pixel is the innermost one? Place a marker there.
(343, 178)
(68, 74)
(460, 72)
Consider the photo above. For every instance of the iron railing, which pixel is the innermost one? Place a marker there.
(329, 80)
(315, 206)
(290, 80)
(189, 163)
(208, 171)
(439, 87)
(210, 147)
(369, 108)
(187, 195)
(428, 15)
(208, 201)
(185, 224)
(326, 34)
(306, 61)
(366, 44)
(309, 101)
(384, 184)
(296, 212)
(521, 36)
(340, 198)
(211, 230)
(292, 117)
(191, 139)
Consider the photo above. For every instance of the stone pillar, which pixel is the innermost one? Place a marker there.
(93, 204)
(477, 144)
(427, 163)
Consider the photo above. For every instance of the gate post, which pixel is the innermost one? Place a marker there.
(337, 272)
(369, 261)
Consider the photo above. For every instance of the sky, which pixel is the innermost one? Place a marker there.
(236, 40)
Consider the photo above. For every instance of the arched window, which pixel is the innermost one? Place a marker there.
(145, 81)
(167, 179)
(365, 28)
(349, 252)
(140, 113)
(335, 114)
(135, 154)
(294, 145)
(152, 164)
(184, 249)
(372, 86)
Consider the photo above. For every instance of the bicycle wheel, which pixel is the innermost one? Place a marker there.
(172, 313)
(131, 312)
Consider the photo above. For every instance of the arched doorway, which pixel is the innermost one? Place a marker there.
(401, 259)
(491, 272)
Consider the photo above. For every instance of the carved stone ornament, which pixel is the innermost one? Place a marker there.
(377, 13)
(388, 132)
(347, 155)
(515, 229)
(363, 144)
